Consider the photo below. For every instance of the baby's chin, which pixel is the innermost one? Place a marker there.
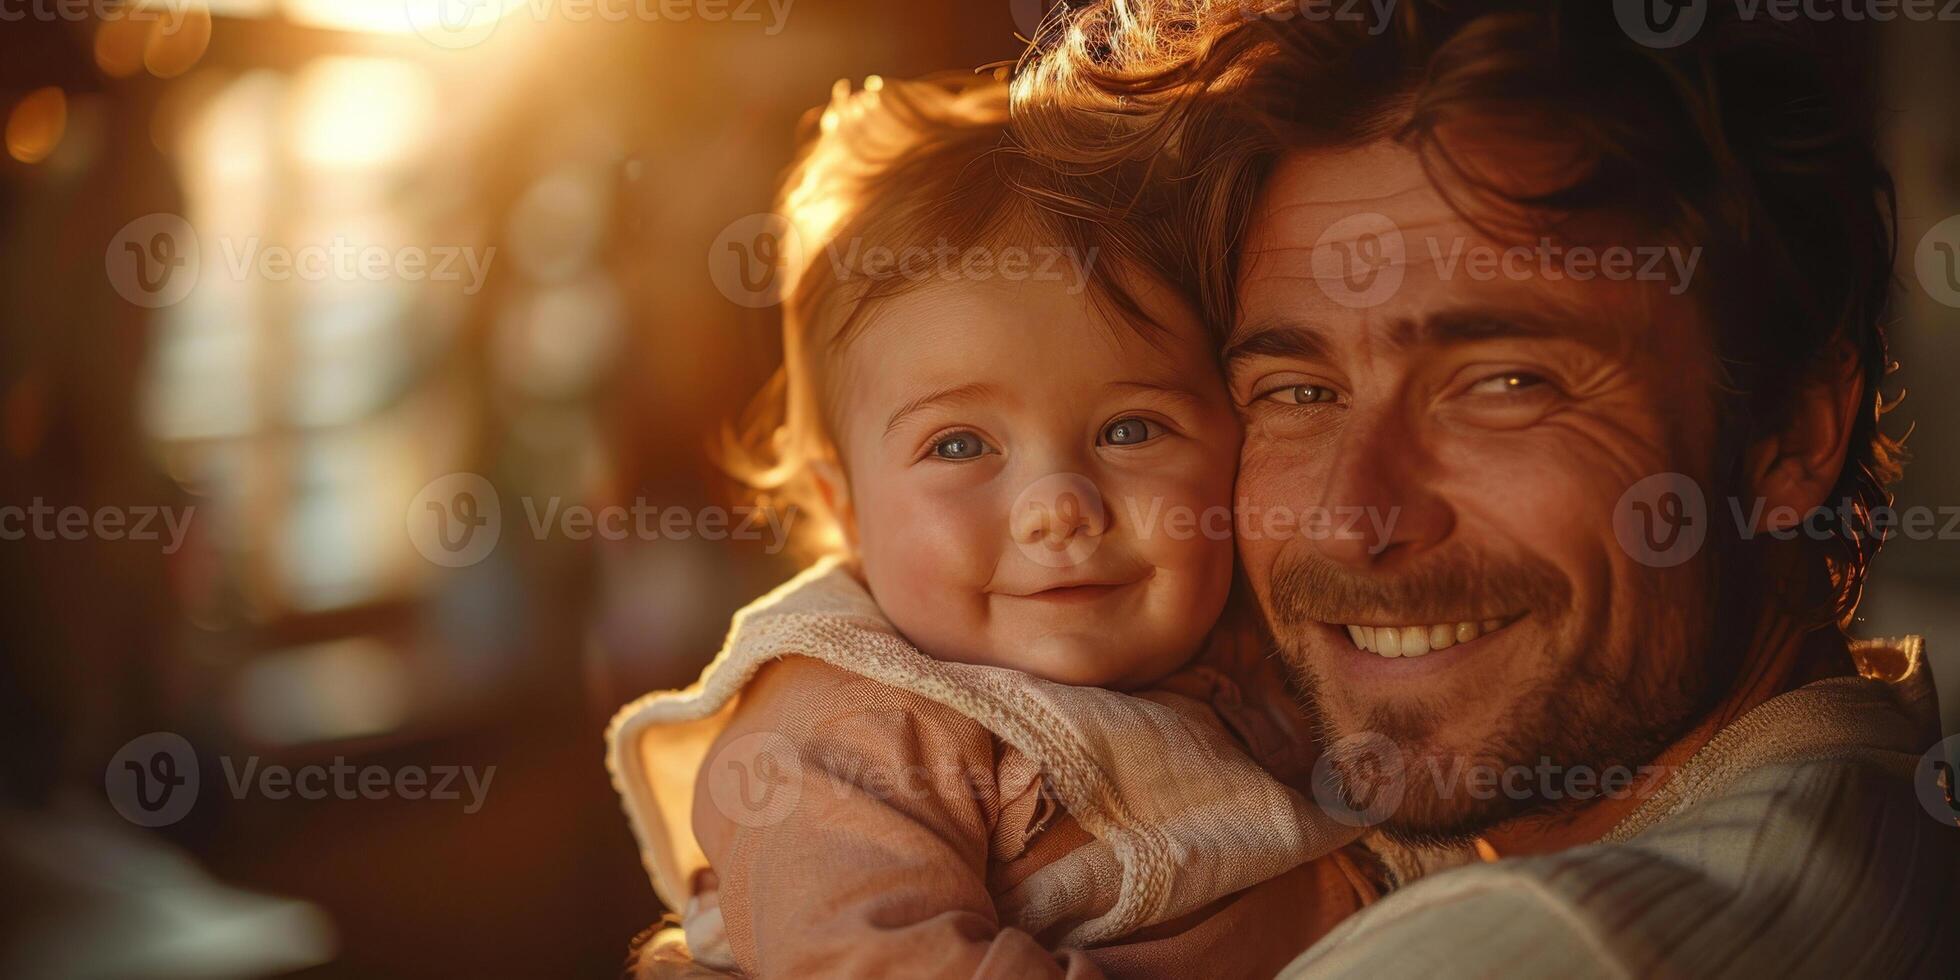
(1095, 658)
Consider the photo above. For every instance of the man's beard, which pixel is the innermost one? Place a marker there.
(1605, 704)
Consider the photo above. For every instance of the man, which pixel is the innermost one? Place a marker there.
(1584, 322)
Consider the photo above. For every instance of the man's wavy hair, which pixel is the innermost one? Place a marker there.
(1754, 139)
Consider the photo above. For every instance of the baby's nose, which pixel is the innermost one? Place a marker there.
(1057, 509)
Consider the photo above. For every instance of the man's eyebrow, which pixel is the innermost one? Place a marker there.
(955, 393)
(1278, 339)
(1468, 324)
(1444, 327)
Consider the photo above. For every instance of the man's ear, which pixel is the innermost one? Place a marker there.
(836, 496)
(1793, 470)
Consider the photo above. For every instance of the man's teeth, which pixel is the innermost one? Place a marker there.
(1414, 641)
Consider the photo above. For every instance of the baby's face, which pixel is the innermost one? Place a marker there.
(1034, 488)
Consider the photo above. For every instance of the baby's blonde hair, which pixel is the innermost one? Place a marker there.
(909, 165)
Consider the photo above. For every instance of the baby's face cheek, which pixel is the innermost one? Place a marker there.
(1177, 518)
(929, 556)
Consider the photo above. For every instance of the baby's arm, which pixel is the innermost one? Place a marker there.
(873, 860)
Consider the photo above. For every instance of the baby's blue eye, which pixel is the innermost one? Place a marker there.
(960, 445)
(1129, 431)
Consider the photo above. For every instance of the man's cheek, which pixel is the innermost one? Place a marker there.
(1277, 484)
(1270, 491)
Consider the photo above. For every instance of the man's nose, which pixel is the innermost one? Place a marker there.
(1380, 502)
(1058, 508)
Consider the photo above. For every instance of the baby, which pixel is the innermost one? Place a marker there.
(972, 740)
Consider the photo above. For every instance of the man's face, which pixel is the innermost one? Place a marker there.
(1430, 476)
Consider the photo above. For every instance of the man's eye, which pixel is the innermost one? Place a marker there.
(1300, 395)
(961, 445)
(1509, 383)
(1130, 431)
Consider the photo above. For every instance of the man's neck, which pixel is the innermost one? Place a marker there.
(1778, 661)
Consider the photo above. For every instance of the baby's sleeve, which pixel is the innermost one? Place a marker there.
(848, 825)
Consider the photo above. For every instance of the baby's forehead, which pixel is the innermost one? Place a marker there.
(1024, 342)
(1058, 325)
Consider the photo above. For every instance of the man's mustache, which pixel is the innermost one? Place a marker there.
(1445, 588)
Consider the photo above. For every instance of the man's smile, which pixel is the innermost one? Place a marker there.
(1415, 641)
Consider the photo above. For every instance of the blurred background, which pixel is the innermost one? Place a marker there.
(272, 270)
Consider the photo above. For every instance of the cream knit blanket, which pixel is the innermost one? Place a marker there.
(1180, 814)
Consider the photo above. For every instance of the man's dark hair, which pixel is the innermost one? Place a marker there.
(1753, 139)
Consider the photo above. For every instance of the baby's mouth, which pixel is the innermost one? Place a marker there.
(1073, 593)
(1076, 589)
(1418, 640)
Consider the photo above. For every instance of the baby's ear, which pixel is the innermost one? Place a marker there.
(836, 495)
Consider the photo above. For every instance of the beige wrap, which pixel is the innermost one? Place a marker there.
(1180, 814)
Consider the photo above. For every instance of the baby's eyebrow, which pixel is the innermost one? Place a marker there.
(1171, 388)
(965, 392)
(1165, 387)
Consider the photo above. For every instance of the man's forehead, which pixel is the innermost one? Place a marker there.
(1361, 236)
(1313, 190)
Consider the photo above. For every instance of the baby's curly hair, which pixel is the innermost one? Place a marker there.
(910, 167)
